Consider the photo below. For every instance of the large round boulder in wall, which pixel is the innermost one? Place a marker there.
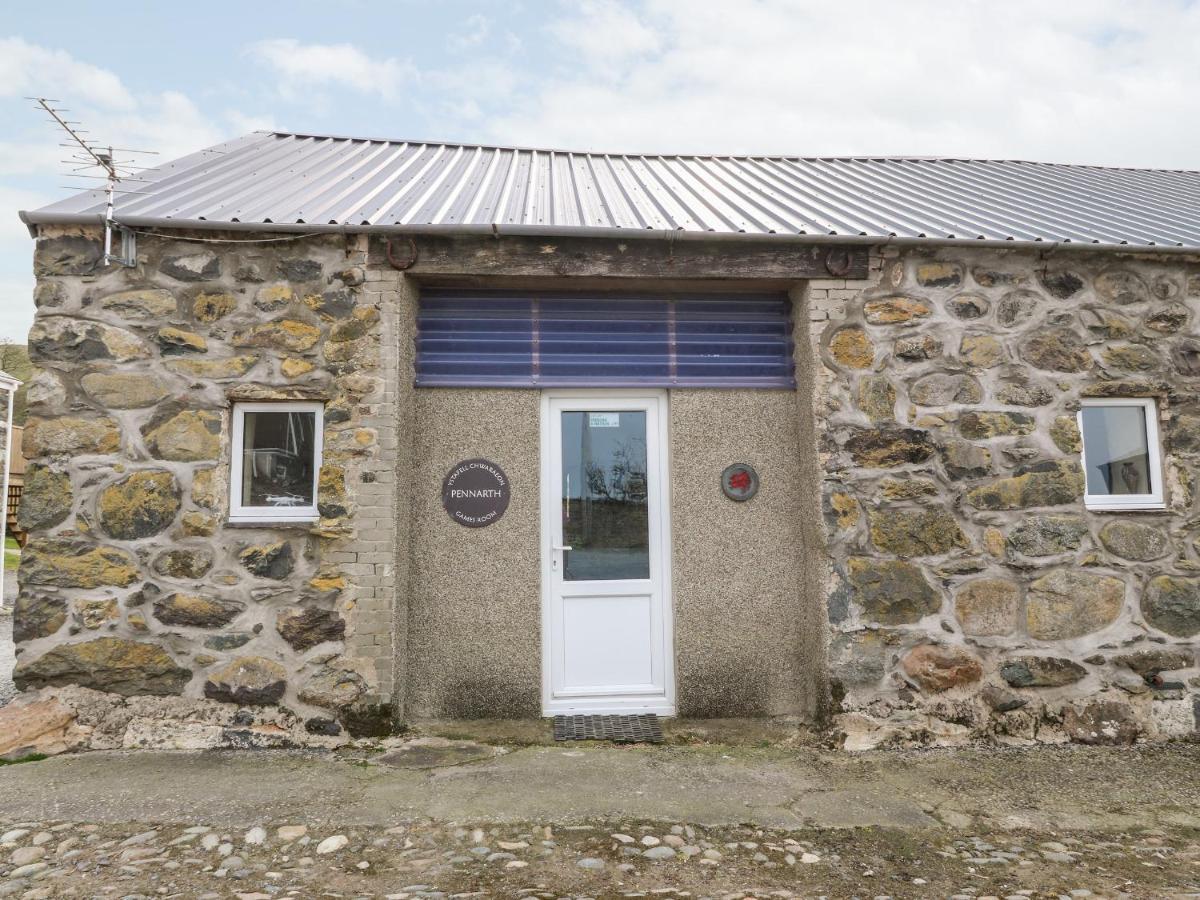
(1068, 604)
(1171, 603)
(140, 505)
(46, 500)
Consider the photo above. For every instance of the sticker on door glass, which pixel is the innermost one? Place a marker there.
(604, 420)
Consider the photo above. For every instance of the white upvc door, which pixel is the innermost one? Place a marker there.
(606, 601)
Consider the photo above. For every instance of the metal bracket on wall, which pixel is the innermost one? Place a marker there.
(838, 262)
(128, 254)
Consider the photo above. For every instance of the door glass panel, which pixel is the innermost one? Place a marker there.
(605, 512)
(1118, 454)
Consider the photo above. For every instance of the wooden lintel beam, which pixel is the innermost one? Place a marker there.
(581, 257)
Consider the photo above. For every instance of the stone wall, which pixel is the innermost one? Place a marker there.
(972, 594)
(134, 582)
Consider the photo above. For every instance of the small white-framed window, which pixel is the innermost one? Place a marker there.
(1122, 465)
(276, 461)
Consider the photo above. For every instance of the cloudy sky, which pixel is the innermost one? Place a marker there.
(1107, 82)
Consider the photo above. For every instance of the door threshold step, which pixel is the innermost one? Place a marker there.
(620, 729)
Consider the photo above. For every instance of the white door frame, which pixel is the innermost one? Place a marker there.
(659, 540)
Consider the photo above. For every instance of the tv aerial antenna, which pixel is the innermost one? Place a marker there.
(93, 160)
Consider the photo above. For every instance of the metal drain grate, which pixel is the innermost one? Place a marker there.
(620, 729)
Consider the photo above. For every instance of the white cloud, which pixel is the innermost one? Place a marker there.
(32, 173)
(169, 124)
(300, 65)
(483, 81)
(16, 305)
(30, 157)
(29, 70)
(1102, 82)
(241, 123)
(16, 263)
(12, 228)
(475, 31)
(166, 126)
(605, 33)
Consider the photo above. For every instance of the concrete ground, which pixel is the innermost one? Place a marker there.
(599, 820)
(1049, 788)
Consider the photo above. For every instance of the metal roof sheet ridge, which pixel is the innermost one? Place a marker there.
(630, 184)
(293, 195)
(1086, 205)
(999, 202)
(946, 192)
(702, 155)
(232, 181)
(760, 212)
(786, 197)
(853, 211)
(385, 155)
(693, 175)
(187, 173)
(889, 192)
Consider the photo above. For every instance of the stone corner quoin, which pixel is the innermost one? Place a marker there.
(970, 590)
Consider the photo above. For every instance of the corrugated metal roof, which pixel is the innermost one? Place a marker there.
(302, 182)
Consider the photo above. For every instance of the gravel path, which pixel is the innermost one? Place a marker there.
(627, 858)
(444, 819)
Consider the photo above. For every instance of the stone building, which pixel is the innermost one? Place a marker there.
(370, 432)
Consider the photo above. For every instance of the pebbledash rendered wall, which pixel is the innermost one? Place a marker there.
(972, 595)
(969, 593)
(143, 609)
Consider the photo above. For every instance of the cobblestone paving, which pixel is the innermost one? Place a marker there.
(135, 861)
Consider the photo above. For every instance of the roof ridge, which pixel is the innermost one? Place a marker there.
(861, 157)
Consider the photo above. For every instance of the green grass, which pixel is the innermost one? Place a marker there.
(32, 757)
(12, 554)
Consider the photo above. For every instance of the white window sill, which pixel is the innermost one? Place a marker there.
(1100, 506)
(267, 521)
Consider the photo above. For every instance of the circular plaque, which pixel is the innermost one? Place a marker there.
(475, 493)
(739, 482)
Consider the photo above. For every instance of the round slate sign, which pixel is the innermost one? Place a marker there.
(475, 493)
(739, 482)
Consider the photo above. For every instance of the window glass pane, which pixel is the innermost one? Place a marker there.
(277, 459)
(1118, 456)
(604, 505)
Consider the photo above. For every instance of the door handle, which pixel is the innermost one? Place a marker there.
(555, 550)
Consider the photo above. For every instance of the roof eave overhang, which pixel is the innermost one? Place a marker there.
(34, 219)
